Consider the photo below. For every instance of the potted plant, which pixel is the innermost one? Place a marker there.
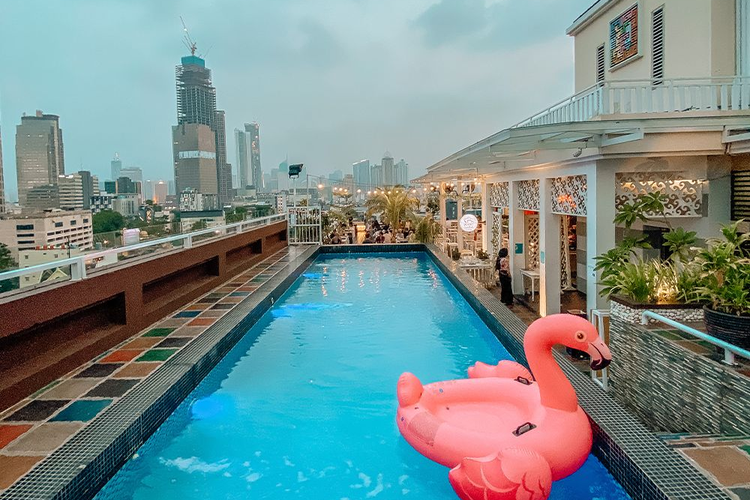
(482, 255)
(634, 284)
(427, 229)
(724, 268)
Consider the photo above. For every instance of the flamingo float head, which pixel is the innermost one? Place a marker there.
(574, 332)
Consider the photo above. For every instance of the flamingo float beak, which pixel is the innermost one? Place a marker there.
(600, 355)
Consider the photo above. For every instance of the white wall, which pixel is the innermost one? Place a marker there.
(699, 41)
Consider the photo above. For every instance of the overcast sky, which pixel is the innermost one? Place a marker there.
(329, 81)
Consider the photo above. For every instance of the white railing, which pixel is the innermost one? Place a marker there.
(647, 96)
(600, 377)
(78, 265)
(305, 225)
(730, 350)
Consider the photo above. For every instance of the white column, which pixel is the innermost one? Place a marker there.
(600, 230)
(459, 214)
(516, 231)
(487, 218)
(443, 215)
(549, 260)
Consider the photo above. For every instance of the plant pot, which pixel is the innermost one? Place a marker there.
(728, 327)
(627, 310)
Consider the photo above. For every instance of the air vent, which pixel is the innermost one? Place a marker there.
(741, 194)
(600, 64)
(657, 39)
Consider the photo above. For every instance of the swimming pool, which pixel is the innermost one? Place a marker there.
(304, 405)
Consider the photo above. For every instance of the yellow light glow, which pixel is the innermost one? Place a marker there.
(320, 186)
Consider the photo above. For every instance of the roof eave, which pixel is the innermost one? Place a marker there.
(589, 16)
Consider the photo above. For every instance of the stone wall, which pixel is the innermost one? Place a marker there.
(673, 389)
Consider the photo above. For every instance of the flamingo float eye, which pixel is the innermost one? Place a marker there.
(580, 336)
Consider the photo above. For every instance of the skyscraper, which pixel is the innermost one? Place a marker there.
(253, 135)
(2, 185)
(39, 152)
(223, 169)
(361, 171)
(389, 179)
(243, 159)
(192, 150)
(401, 173)
(116, 165)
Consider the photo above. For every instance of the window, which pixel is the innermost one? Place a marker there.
(85, 221)
(600, 64)
(26, 242)
(25, 235)
(21, 227)
(73, 222)
(657, 43)
(58, 224)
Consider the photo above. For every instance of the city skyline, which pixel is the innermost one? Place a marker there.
(319, 98)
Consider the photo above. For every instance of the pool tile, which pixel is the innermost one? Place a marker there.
(45, 438)
(729, 466)
(213, 314)
(189, 331)
(159, 332)
(44, 389)
(172, 323)
(136, 370)
(202, 322)
(9, 433)
(174, 342)
(112, 388)
(81, 411)
(37, 410)
(157, 355)
(121, 356)
(222, 306)
(186, 314)
(195, 307)
(232, 300)
(142, 343)
(239, 294)
(207, 301)
(99, 370)
(71, 388)
(12, 468)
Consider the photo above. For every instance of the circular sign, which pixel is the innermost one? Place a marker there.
(468, 223)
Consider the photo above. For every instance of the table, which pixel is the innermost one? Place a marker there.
(533, 275)
(482, 272)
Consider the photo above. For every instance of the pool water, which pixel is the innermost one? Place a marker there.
(304, 405)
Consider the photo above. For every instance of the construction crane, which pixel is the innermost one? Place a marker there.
(187, 41)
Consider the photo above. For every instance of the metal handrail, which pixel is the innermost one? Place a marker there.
(730, 350)
(78, 263)
(598, 315)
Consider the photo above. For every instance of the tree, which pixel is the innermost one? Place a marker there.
(393, 204)
(108, 220)
(7, 263)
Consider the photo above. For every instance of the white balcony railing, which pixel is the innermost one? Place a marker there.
(79, 266)
(650, 96)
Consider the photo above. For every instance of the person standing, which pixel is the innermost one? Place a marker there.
(503, 267)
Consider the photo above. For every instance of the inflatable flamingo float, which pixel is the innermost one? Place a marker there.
(505, 434)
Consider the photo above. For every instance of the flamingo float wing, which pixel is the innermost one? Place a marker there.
(511, 474)
(504, 369)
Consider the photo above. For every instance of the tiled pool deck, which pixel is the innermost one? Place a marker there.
(43, 422)
(44, 440)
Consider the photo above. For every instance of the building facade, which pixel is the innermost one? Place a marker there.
(253, 137)
(101, 202)
(401, 173)
(39, 152)
(389, 177)
(126, 204)
(195, 201)
(194, 147)
(2, 184)
(659, 108)
(54, 228)
(361, 172)
(76, 190)
(115, 167)
(223, 169)
(243, 160)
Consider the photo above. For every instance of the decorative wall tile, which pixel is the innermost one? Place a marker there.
(499, 195)
(569, 195)
(531, 223)
(684, 195)
(528, 195)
